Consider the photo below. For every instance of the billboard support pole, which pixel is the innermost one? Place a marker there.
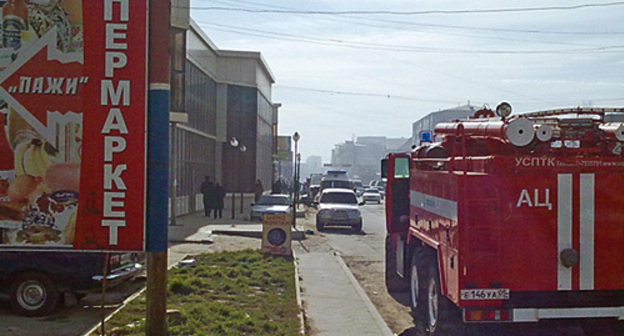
(158, 166)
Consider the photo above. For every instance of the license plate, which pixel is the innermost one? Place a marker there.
(341, 215)
(485, 294)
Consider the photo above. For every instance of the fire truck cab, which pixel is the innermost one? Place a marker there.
(509, 219)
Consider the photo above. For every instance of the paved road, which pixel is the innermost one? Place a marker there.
(368, 249)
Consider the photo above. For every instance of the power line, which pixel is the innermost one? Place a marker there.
(423, 12)
(434, 25)
(364, 94)
(400, 48)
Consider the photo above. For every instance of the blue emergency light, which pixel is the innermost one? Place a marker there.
(425, 137)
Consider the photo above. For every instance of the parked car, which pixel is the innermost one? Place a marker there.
(338, 207)
(36, 281)
(372, 195)
(270, 204)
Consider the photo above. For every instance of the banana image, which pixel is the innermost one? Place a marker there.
(18, 157)
(40, 160)
(31, 166)
(32, 158)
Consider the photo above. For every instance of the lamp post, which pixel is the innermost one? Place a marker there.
(296, 138)
(242, 148)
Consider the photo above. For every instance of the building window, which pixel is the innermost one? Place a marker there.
(178, 60)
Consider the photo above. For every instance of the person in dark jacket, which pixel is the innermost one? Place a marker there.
(219, 196)
(208, 190)
(259, 189)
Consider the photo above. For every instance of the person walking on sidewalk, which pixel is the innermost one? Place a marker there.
(259, 190)
(208, 190)
(219, 192)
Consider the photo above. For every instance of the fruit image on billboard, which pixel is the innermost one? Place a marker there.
(73, 124)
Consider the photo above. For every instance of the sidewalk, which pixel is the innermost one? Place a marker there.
(335, 304)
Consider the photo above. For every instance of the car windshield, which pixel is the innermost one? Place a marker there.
(273, 200)
(340, 198)
(336, 184)
(372, 191)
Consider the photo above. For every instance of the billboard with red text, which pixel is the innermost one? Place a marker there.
(73, 109)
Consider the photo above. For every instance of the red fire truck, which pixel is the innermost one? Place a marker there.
(509, 219)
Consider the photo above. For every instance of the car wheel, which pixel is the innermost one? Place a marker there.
(357, 228)
(379, 202)
(319, 225)
(33, 294)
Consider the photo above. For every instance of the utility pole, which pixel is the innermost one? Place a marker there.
(296, 138)
(158, 166)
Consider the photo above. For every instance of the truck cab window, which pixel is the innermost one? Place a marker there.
(401, 168)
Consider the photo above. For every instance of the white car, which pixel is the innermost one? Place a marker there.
(270, 204)
(372, 195)
(338, 207)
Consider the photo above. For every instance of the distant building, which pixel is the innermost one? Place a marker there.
(428, 123)
(361, 158)
(284, 160)
(312, 165)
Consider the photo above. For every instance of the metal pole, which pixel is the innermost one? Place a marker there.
(158, 166)
(240, 187)
(294, 212)
(233, 204)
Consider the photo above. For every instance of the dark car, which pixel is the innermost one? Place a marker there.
(36, 281)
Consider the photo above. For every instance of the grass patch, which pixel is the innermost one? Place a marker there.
(226, 293)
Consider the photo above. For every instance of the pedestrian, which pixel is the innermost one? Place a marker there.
(207, 189)
(277, 187)
(259, 190)
(219, 196)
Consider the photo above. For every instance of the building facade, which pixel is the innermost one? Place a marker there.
(219, 98)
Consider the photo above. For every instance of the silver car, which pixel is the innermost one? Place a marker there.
(338, 207)
(270, 204)
(371, 195)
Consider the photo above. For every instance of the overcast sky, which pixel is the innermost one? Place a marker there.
(340, 75)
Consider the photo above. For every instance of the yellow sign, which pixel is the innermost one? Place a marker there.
(276, 234)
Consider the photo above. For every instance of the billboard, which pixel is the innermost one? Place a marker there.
(284, 152)
(73, 83)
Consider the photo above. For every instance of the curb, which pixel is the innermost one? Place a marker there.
(123, 305)
(379, 321)
(295, 235)
(251, 234)
(298, 295)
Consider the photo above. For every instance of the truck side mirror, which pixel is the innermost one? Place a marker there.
(384, 168)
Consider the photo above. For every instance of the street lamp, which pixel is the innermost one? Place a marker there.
(296, 137)
(235, 143)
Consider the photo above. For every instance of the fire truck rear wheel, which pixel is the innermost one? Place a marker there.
(394, 283)
(441, 315)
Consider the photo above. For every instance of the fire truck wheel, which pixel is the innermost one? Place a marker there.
(394, 283)
(441, 316)
(33, 294)
(416, 284)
